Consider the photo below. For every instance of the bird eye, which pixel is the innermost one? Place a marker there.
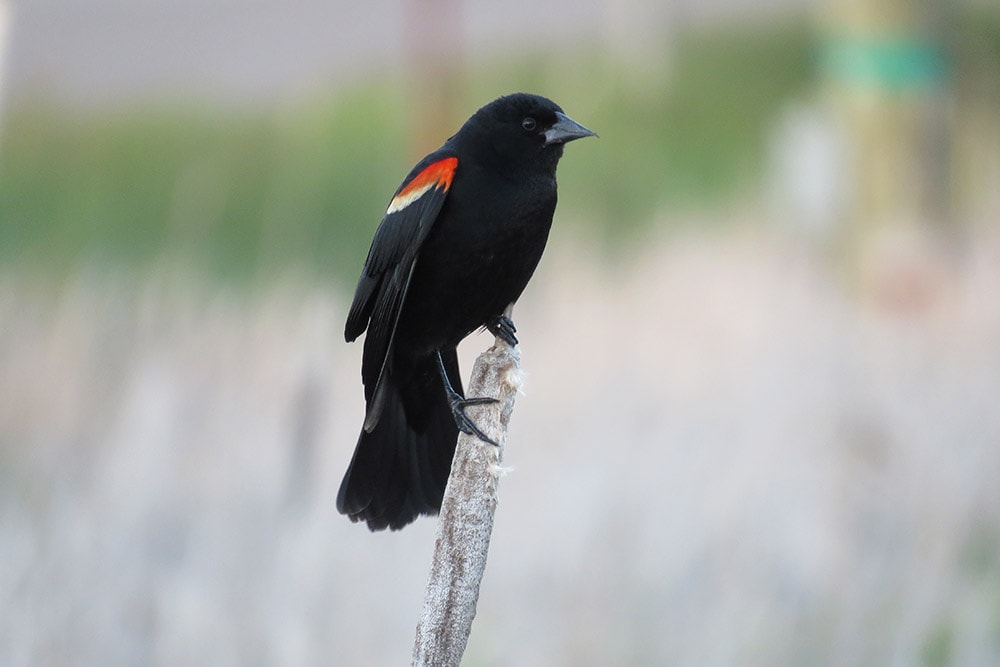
(528, 124)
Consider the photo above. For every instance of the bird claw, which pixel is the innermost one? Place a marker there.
(458, 404)
(503, 328)
(463, 421)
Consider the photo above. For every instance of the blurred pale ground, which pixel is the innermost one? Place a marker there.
(730, 449)
(718, 459)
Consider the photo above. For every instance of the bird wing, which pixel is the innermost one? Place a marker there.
(381, 290)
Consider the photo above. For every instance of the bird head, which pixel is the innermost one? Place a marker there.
(522, 129)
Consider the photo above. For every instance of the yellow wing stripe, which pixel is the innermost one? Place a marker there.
(435, 175)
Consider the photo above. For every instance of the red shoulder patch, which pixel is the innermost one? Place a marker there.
(435, 175)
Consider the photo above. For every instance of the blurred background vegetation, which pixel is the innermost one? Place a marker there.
(779, 262)
(260, 190)
(266, 186)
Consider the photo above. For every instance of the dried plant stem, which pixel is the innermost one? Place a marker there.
(466, 519)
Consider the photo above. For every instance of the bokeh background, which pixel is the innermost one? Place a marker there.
(761, 419)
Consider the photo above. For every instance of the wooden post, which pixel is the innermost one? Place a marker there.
(433, 49)
(885, 72)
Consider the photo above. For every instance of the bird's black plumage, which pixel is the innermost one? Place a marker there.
(460, 239)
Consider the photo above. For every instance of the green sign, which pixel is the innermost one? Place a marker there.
(900, 63)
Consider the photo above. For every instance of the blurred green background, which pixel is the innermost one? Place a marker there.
(249, 187)
(762, 351)
(269, 188)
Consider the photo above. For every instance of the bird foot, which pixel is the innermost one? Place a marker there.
(503, 328)
(458, 405)
(463, 421)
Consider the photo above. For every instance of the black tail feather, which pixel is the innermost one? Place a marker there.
(400, 468)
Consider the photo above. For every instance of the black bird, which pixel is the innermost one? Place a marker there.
(458, 243)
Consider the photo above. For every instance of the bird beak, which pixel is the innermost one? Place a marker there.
(566, 129)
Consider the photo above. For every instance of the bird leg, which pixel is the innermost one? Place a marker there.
(458, 404)
(503, 328)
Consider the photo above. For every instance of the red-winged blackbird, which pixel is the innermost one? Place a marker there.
(458, 243)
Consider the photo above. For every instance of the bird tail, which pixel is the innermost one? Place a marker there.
(400, 468)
